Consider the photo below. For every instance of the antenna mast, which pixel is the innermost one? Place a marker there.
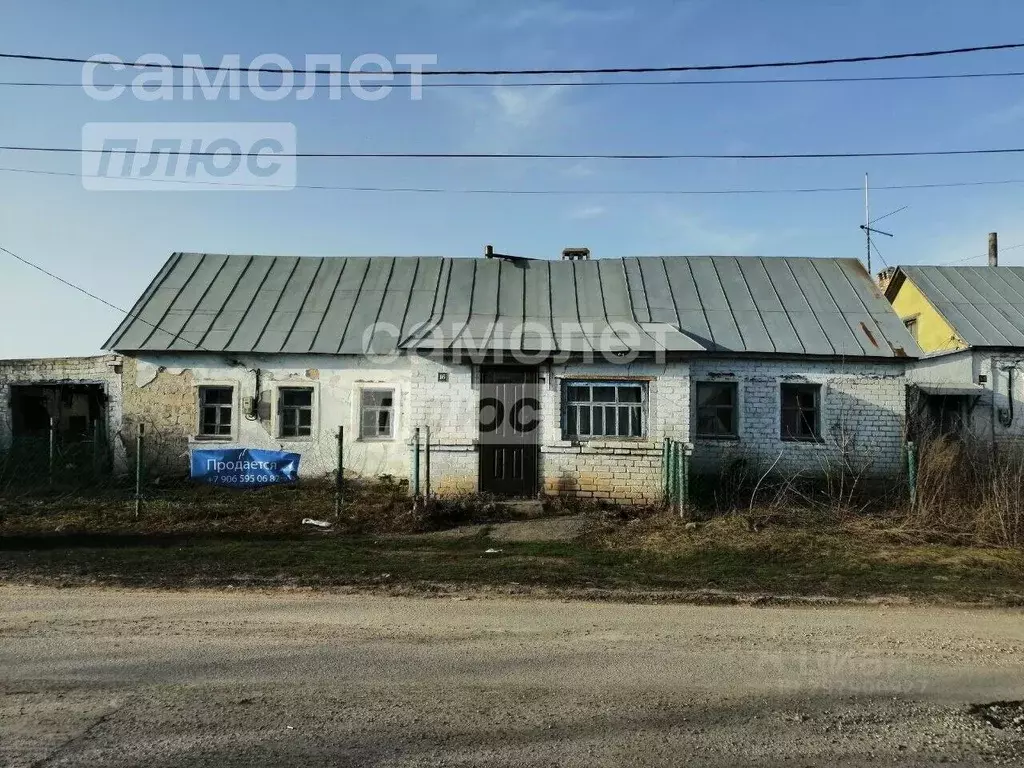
(867, 218)
(866, 226)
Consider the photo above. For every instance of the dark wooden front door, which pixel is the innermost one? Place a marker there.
(509, 431)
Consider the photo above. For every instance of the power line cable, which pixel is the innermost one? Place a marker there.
(573, 71)
(585, 83)
(979, 256)
(499, 191)
(91, 295)
(527, 155)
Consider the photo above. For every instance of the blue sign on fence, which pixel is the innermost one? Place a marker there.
(244, 467)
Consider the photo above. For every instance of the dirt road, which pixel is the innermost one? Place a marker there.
(129, 678)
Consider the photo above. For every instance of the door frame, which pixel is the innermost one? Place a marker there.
(533, 484)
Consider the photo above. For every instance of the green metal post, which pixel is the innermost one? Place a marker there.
(686, 476)
(912, 471)
(665, 470)
(680, 492)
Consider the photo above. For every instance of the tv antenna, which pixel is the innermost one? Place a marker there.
(868, 221)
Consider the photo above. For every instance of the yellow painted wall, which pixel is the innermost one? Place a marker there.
(934, 334)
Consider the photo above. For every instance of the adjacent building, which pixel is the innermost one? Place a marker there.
(970, 323)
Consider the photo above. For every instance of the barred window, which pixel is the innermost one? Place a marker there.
(295, 409)
(716, 409)
(801, 411)
(377, 420)
(604, 409)
(215, 407)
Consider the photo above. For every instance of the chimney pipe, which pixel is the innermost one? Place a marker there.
(576, 254)
(489, 251)
(993, 249)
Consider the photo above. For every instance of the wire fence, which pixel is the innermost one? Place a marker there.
(146, 475)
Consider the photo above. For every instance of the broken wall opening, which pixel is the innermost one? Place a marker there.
(57, 429)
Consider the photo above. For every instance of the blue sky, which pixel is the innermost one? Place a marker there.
(112, 243)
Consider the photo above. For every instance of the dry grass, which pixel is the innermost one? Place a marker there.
(968, 493)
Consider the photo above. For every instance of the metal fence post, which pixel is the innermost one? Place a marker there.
(665, 470)
(677, 466)
(912, 471)
(97, 462)
(51, 450)
(685, 480)
(673, 479)
(339, 482)
(138, 469)
(416, 465)
(426, 465)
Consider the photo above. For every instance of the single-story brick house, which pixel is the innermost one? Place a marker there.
(556, 376)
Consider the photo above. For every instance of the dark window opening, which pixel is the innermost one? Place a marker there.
(76, 411)
(296, 411)
(215, 411)
(801, 412)
(716, 409)
(377, 420)
(911, 326)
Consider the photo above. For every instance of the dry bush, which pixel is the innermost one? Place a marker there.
(969, 493)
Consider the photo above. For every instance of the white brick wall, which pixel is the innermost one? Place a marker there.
(863, 408)
(864, 401)
(627, 471)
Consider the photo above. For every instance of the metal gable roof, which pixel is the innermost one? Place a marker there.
(985, 305)
(356, 305)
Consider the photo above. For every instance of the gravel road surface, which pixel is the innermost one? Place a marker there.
(132, 678)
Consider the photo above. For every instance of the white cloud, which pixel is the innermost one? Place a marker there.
(582, 169)
(505, 119)
(526, 107)
(587, 212)
(688, 232)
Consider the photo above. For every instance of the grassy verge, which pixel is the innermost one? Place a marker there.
(650, 557)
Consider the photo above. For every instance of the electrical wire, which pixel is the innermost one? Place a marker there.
(572, 71)
(100, 299)
(496, 191)
(979, 256)
(528, 155)
(581, 83)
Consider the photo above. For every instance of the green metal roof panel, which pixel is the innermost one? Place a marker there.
(265, 304)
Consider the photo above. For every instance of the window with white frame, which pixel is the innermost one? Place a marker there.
(377, 414)
(595, 409)
(295, 411)
(215, 411)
